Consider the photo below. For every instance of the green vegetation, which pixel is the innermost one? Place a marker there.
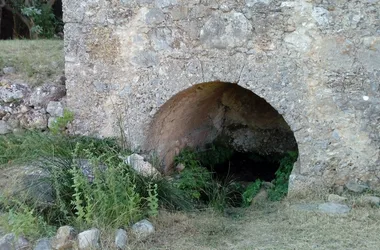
(37, 16)
(34, 61)
(281, 181)
(61, 123)
(251, 192)
(205, 188)
(93, 186)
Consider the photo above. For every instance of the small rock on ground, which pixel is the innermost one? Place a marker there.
(355, 187)
(55, 109)
(260, 197)
(43, 244)
(9, 70)
(65, 238)
(371, 200)
(143, 229)
(89, 239)
(305, 207)
(4, 128)
(7, 242)
(121, 239)
(336, 198)
(333, 208)
(142, 167)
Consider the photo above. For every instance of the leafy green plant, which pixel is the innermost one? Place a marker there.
(201, 185)
(194, 179)
(214, 154)
(281, 181)
(152, 200)
(251, 192)
(37, 16)
(112, 196)
(23, 220)
(60, 124)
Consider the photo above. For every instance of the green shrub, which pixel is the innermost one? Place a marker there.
(152, 200)
(112, 196)
(201, 185)
(195, 180)
(109, 200)
(60, 124)
(251, 191)
(214, 155)
(281, 181)
(23, 220)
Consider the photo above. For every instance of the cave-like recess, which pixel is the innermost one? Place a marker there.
(226, 114)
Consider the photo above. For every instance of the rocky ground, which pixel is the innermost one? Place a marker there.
(23, 106)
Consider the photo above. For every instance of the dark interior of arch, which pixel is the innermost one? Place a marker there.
(226, 117)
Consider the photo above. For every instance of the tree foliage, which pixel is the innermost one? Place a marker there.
(36, 15)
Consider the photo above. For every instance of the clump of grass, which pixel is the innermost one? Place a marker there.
(107, 194)
(35, 61)
(24, 220)
(201, 185)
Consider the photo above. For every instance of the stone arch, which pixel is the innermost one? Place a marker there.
(206, 112)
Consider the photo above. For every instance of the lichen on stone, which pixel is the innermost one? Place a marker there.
(103, 45)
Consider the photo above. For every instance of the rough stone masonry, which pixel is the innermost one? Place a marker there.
(317, 62)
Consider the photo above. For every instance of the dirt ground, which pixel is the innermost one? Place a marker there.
(268, 226)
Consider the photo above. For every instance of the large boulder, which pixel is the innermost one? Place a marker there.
(27, 182)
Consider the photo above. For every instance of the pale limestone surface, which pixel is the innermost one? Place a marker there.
(316, 63)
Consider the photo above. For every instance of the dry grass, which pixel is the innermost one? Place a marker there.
(36, 61)
(268, 226)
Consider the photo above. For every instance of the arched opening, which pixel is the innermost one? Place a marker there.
(6, 24)
(227, 122)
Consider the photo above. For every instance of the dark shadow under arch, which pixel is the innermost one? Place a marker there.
(223, 113)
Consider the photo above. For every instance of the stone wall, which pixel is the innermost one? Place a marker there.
(316, 62)
(27, 107)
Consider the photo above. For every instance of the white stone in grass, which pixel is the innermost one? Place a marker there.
(355, 187)
(143, 229)
(142, 167)
(7, 242)
(9, 70)
(55, 109)
(89, 239)
(333, 208)
(4, 128)
(121, 239)
(371, 200)
(336, 198)
(64, 238)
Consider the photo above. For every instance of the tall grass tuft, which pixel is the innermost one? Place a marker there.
(92, 185)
